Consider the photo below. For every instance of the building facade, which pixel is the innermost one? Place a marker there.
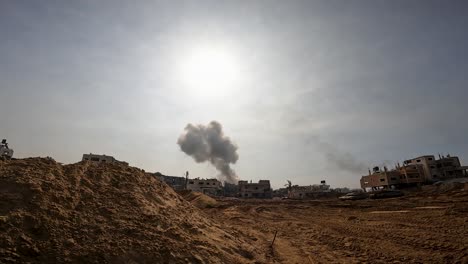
(95, 158)
(230, 190)
(262, 189)
(410, 174)
(177, 183)
(419, 170)
(405, 175)
(206, 186)
(428, 164)
(446, 167)
(309, 192)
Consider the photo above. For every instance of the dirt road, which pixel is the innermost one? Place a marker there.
(397, 230)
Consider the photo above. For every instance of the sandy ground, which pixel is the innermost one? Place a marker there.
(412, 229)
(111, 213)
(108, 213)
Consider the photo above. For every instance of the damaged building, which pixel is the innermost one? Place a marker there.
(206, 186)
(416, 171)
(176, 182)
(230, 190)
(310, 191)
(444, 168)
(262, 189)
(405, 175)
(96, 158)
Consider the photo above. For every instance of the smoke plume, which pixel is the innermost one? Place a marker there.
(344, 161)
(208, 143)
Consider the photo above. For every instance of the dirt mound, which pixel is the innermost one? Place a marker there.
(198, 199)
(105, 213)
(448, 188)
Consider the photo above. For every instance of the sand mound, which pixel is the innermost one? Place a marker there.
(199, 199)
(103, 213)
(447, 188)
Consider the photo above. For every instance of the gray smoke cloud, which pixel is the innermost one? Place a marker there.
(208, 143)
(342, 160)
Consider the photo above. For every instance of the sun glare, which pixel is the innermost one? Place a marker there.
(210, 71)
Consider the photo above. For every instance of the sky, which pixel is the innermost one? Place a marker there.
(307, 90)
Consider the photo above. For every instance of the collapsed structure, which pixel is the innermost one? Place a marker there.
(416, 171)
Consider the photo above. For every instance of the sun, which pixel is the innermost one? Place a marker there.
(210, 71)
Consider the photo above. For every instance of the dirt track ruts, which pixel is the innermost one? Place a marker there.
(398, 230)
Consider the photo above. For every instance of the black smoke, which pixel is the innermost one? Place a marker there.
(208, 143)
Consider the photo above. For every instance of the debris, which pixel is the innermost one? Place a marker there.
(274, 238)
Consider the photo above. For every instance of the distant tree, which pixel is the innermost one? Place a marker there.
(289, 187)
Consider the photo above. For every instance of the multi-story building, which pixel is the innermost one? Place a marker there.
(423, 169)
(439, 169)
(262, 189)
(428, 164)
(206, 186)
(379, 178)
(410, 174)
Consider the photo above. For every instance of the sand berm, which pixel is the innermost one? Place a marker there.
(106, 213)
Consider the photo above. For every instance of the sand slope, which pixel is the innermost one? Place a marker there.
(198, 199)
(107, 214)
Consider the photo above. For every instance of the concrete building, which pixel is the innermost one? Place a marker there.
(449, 168)
(439, 169)
(101, 158)
(262, 189)
(428, 164)
(230, 190)
(411, 174)
(419, 170)
(206, 186)
(309, 192)
(405, 175)
(177, 183)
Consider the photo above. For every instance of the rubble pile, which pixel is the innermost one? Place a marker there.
(106, 213)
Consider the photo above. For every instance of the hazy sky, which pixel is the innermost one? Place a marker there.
(308, 90)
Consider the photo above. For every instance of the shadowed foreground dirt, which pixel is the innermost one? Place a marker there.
(429, 229)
